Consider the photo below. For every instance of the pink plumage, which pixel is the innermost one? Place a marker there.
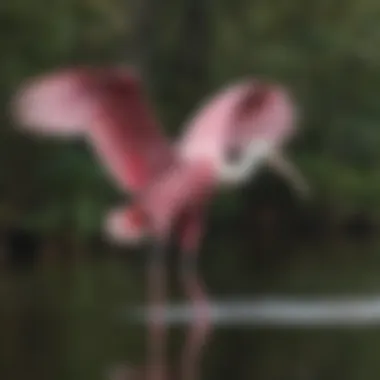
(242, 112)
(178, 195)
(180, 189)
(53, 105)
(171, 184)
(108, 107)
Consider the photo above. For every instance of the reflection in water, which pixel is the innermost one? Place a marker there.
(200, 327)
(335, 312)
(197, 334)
(156, 368)
(62, 321)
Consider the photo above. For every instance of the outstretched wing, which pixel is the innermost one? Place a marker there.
(234, 117)
(205, 134)
(107, 106)
(252, 119)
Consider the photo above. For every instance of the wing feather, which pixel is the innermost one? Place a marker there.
(107, 106)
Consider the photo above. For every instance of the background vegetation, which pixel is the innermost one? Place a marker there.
(325, 52)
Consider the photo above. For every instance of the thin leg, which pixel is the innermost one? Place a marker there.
(200, 327)
(156, 369)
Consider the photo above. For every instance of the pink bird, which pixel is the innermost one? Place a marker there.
(171, 184)
(107, 106)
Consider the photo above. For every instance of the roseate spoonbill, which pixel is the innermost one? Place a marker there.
(167, 182)
(108, 107)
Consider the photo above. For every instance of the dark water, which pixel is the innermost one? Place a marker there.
(64, 320)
